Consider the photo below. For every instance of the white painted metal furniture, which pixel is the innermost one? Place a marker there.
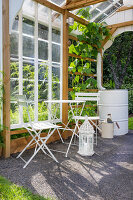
(35, 129)
(85, 97)
(70, 102)
(90, 97)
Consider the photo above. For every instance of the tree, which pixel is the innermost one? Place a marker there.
(118, 60)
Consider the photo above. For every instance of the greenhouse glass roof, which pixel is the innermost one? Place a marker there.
(98, 11)
(102, 10)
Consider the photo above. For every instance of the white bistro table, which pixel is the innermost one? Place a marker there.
(70, 102)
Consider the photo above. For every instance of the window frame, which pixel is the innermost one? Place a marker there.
(36, 61)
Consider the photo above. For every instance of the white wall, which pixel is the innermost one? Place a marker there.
(116, 18)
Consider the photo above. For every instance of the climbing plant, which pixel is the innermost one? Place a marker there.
(89, 42)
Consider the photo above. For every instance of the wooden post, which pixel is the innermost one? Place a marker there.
(6, 76)
(65, 67)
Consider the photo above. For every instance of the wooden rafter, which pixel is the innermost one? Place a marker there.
(107, 38)
(51, 6)
(119, 25)
(78, 19)
(68, 1)
(81, 4)
(123, 8)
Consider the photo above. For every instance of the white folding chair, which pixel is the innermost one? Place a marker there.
(90, 97)
(85, 97)
(35, 129)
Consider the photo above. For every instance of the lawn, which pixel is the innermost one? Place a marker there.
(130, 123)
(10, 191)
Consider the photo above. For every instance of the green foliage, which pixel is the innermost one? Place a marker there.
(84, 13)
(129, 87)
(90, 40)
(1, 140)
(10, 191)
(130, 123)
(109, 85)
(118, 61)
(117, 66)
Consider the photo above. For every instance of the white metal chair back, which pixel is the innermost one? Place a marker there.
(35, 129)
(87, 96)
(23, 102)
(91, 97)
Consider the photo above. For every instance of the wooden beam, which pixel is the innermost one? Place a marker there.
(6, 77)
(71, 37)
(86, 90)
(51, 6)
(17, 145)
(84, 74)
(81, 4)
(67, 2)
(123, 8)
(65, 68)
(107, 38)
(119, 25)
(78, 19)
(80, 57)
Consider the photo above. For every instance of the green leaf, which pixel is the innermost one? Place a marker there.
(80, 69)
(77, 78)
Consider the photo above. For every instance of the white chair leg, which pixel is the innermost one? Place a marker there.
(60, 136)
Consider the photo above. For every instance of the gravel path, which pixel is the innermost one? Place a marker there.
(107, 175)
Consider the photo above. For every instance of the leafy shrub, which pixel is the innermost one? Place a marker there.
(129, 86)
(130, 123)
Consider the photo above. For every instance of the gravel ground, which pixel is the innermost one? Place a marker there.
(108, 174)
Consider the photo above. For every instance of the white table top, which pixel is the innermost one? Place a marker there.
(64, 101)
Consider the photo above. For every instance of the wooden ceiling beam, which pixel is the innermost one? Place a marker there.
(123, 8)
(51, 6)
(81, 4)
(78, 19)
(119, 25)
(68, 1)
(107, 38)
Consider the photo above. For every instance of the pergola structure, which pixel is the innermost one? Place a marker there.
(65, 10)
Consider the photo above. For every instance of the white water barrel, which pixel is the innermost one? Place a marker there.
(115, 102)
